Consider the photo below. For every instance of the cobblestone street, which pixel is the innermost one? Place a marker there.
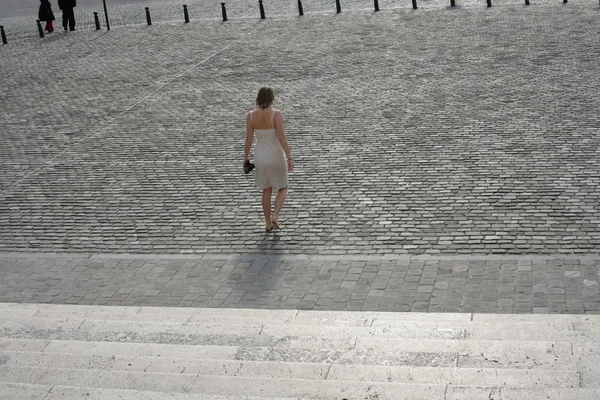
(23, 23)
(467, 132)
(441, 143)
(485, 284)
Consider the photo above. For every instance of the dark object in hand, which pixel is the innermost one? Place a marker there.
(248, 166)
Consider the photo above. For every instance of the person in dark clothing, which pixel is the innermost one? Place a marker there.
(45, 14)
(68, 15)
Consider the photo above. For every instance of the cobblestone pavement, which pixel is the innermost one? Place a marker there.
(23, 24)
(496, 284)
(476, 132)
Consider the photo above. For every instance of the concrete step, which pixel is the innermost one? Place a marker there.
(482, 393)
(369, 351)
(20, 391)
(215, 385)
(564, 328)
(142, 349)
(16, 391)
(293, 370)
(51, 352)
(315, 389)
(223, 333)
(23, 391)
(551, 394)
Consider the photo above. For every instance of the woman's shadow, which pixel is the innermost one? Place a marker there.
(257, 279)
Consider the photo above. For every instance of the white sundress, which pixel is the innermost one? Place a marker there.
(269, 158)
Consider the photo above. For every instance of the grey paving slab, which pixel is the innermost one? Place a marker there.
(444, 141)
(292, 283)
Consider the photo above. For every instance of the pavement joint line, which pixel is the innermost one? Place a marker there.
(158, 89)
(8, 190)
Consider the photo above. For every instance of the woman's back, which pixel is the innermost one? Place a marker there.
(263, 118)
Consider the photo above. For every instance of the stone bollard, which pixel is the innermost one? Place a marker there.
(40, 30)
(96, 20)
(186, 15)
(376, 5)
(224, 11)
(4, 41)
(338, 6)
(262, 9)
(300, 10)
(148, 19)
(414, 2)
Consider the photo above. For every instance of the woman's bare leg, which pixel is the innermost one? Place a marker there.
(279, 199)
(266, 204)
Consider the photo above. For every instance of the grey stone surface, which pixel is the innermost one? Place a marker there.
(20, 21)
(298, 366)
(19, 391)
(351, 283)
(443, 141)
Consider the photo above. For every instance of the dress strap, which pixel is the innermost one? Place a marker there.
(273, 119)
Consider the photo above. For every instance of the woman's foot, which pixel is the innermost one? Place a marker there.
(275, 223)
(269, 228)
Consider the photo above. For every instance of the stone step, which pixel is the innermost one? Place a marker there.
(315, 389)
(23, 344)
(216, 385)
(485, 377)
(483, 358)
(151, 312)
(223, 333)
(533, 333)
(482, 393)
(289, 370)
(277, 317)
(158, 382)
(475, 353)
(142, 349)
(23, 391)
(158, 353)
(515, 355)
(575, 328)
(20, 391)
(370, 351)
(551, 394)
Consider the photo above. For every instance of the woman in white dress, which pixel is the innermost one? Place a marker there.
(270, 152)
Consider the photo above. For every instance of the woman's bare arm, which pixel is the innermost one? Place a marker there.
(283, 139)
(249, 137)
(281, 135)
